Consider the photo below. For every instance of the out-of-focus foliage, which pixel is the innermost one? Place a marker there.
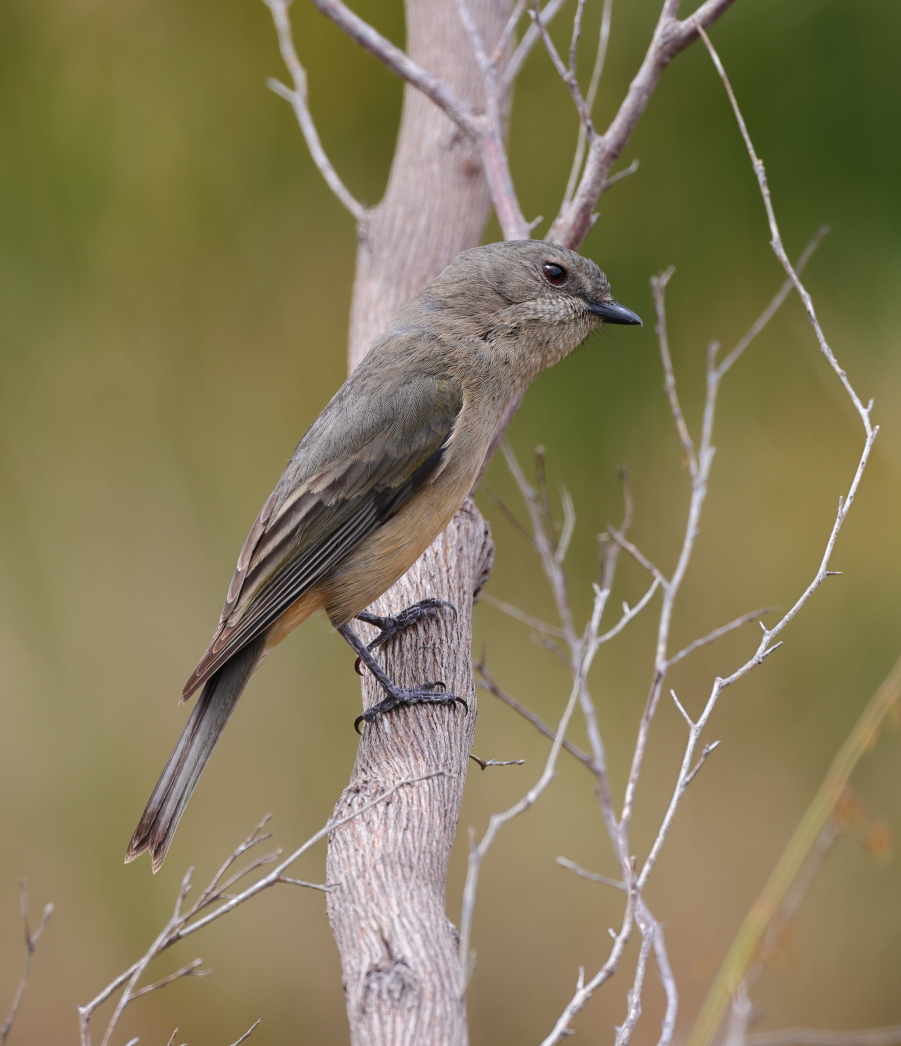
(175, 282)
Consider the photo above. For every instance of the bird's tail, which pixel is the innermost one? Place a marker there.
(207, 721)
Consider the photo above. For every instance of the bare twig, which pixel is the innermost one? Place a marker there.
(508, 513)
(700, 457)
(700, 461)
(596, 73)
(658, 286)
(638, 556)
(302, 882)
(776, 241)
(713, 636)
(530, 37)
(506, 37)
(624, 173)
(299, 102)
(487, 683)
(702, 759)
(483, 763)
(191, 970)
(184, 922)
(775, 304)
(668, 1024)
(248, 1033)
(478, 850)
(31, 941)
(377, 45)
(521, 615)
(567, 74)
(624, 1032)
(583, 993)
(595, 877)
(582, 649)
(670, 37)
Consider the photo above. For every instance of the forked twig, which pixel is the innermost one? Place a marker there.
(186, 921)
(31, 942)
(298, 99)
(699, 457)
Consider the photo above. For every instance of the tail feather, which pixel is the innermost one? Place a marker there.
(202, 730)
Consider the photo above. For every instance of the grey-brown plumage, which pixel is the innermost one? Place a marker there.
(382, 471)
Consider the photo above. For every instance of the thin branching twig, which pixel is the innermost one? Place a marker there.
(186, 921)
(31, 942)
(298, 99)
(699, 458)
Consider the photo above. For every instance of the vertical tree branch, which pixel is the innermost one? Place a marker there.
(450, 164)
(387, 908)
(437, 200)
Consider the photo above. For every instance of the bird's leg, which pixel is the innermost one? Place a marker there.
(390, 626)
(428, 693)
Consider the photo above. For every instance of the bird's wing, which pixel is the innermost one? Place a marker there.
(365, 472)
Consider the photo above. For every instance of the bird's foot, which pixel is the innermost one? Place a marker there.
(425, 694)
(391, 626)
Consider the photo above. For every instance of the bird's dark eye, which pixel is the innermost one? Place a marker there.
(554, 274)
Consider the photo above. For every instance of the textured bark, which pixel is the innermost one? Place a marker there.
(388, 867)
(437, 199)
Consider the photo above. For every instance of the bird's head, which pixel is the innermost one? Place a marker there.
(544, 297)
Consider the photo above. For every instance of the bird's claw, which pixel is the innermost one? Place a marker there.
(391, 626)
(425, 694)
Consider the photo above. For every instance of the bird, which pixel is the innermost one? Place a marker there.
(377, 477)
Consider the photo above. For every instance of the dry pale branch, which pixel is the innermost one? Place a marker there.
(713, 636)
(298, 99)
(478, 850)
(658, 286)
(186, 921)
(779, 249)
(397, 61)
(485, 129)
(699, 457)
(624, 1032)
(595, 877)
(247, 1034)
(529, 38)
(31, 942)
(521, 615)
(487, 683)
(567, 73)
(481, 120)
(596, 73)
(670, 37)
(582, 649)
(777, 301)
(484, 763)
(700, 462)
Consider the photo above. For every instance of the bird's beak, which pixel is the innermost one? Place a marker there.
(612, 312)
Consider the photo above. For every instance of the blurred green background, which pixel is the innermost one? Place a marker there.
(175, 282)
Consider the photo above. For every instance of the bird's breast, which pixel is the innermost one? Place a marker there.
(388, 553)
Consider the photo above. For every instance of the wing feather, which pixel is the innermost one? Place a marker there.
(315, 519)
